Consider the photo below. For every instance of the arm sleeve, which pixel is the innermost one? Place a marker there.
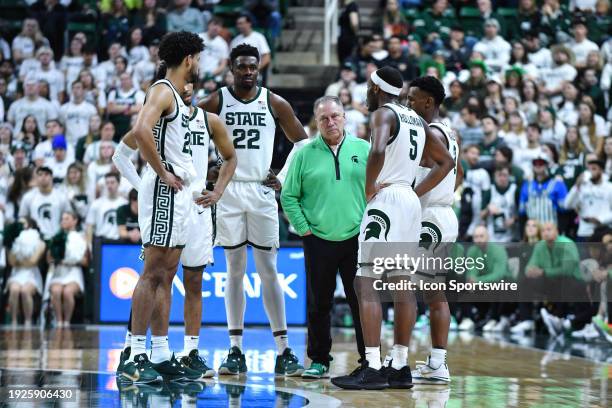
(124, 164)
(571, 200)
(291, 196)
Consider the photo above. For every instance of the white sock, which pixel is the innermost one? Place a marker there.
(128, 340)
(159, 349)
(399, 354)
(437, 357)
(190, 343)
(372, 355)
(282, 342)
(236, 341)
(139, 345)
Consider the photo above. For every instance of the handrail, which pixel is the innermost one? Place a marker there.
(330, 30)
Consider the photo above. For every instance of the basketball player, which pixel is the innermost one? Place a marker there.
(438, 223)
(247, 214)
(393, 214)
(162, 135)
(197, 254)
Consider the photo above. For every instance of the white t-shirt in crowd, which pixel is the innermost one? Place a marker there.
(45, 209)
(102, 215)
(92, 152)
(44, 150)
(582, 49)
(71, 66)
(254, 39)
(137, 54)
(542, 58)
(75, 118)
(215, 51)
(60, 169)
(553, 77)
(40, 108)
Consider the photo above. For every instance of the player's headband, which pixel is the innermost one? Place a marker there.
(385, 86)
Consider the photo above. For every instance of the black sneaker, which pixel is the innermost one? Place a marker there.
(362, 378)
(174, 370)
(125, 356)
(401, 378)
(234, 363)
(197, 363)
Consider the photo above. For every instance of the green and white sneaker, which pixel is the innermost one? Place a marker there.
(125, 356)
(234, 364)
(316, 370)
(197, 363)
(426, 374)
(140, 371)
(287, 364)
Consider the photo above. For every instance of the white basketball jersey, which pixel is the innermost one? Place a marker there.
(404, 148)
(200, 140)
(251, 126)
(173, 138)
(444, 193)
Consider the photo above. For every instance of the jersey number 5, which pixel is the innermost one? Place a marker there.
(251, 143)
(413, 144)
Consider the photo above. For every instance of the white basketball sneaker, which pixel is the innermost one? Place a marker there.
(426, 374)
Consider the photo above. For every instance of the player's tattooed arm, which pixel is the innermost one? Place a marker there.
(286, 118)
(211, 103)
(443, 162)
(226, 150)
(383, 125)
(160, 100)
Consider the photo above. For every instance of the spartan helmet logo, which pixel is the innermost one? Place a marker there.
(430, 234)
(110, 217)
(379, 222)
(44, 211)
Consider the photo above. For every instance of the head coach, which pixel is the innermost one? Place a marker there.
(324, 198)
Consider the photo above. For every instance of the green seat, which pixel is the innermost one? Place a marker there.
(507, 12)
(90, 30)
(471, 20)
(469, 12)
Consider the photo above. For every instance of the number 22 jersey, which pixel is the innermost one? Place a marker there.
(252, 126)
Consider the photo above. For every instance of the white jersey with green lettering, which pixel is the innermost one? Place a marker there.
(172, 137)
(444, 193)
(404, 148)
(200, 140)
(252, 126)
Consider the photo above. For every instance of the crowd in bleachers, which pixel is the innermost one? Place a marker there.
(72, 81)
(528, 93)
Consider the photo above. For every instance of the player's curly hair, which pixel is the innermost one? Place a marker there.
(175, 46)
(243, 50)
(432, 86)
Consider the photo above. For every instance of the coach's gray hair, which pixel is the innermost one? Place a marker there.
(325, 99)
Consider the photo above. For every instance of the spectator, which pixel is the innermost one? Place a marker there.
(127, 219)
(213, 60)
(67, 256)
(25, 280)
(114, 50)
(553, 130)
(44, 70)
(76, 114)
(360, 90)
(137, 51)
(493, 99)
(486, 12)
(592, 127)
(22, 183)
(581, 45)
(399, 60)
(59, 162)
(599, 22)
(44, 204)
(493, 47)
(102, 215)
(265, 14)
(501, 212)
(455, 100)
(471, 133)
(115, 24)
(529, 100)
(556, 20)
(477, 82)
(568, 106)
(353, 118)
(457, 51)
(605, 155)
(513, 131)
(93, 134)
(491, 141)
(31, 104)
(347, 80)
(543, 197)
(527, 19)
(476, 191)
(571, 157)
(92, 93)
(52, 18)
(592, 200)
(561, 71)
(27, 41)
(107, 134)
(185, 18)
(29, 135)
(113, 82)
(539, 56)
(437, 24)
(44, 149)
(524, 156)
(72, 63)
(75, 189)
(588, 83)
(152, 20)
(90, 63)
(123, 103)
(348, 23)
(244, 24)
(99, 168)
(393, 21)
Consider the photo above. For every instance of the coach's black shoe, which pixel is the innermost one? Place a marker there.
(401, 378)
(197, 363)
(174, 370)
(362, 378)
(125, 356)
